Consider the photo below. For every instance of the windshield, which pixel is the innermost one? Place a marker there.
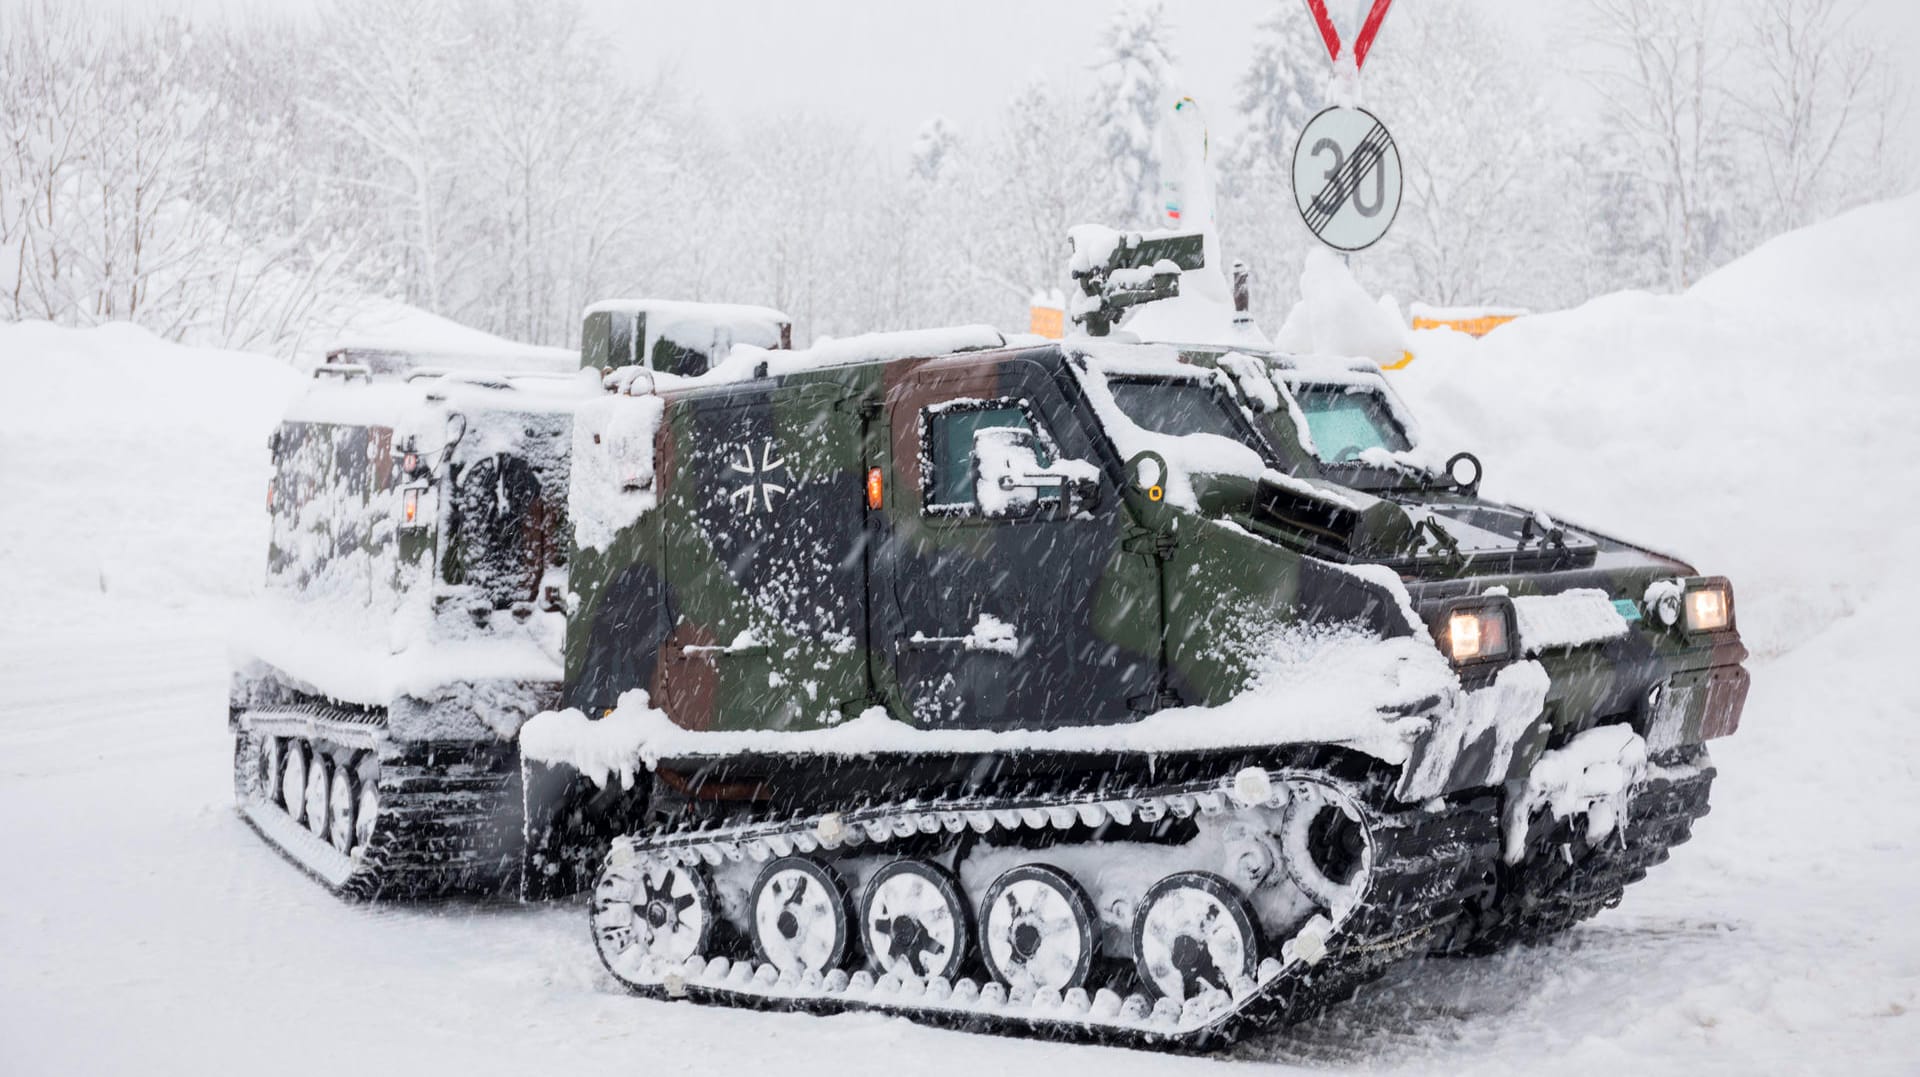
(1179, 408)
(1347, 420)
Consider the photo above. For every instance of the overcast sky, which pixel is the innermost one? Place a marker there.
(893, 64)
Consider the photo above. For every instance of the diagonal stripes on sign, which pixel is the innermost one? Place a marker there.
(1344, 183)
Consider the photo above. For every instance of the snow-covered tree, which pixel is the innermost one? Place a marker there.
(1821, 95)
(1284, 85)
(1669, 100)
(1044, 173)
(1136, 75)
(1469, 127)
(391, 92)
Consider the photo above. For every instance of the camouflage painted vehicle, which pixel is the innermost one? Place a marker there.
(413, 613)
(1094, 690)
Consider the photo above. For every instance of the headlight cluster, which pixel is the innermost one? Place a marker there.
(1476, 630)
(1700, 604)
(1709, 606)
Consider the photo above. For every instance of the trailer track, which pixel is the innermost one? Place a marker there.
(447, 816)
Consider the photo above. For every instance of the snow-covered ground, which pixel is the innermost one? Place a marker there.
(1763, 425)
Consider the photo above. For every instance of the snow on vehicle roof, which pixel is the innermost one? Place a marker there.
(746, 362)
(389, 361)
(700, 327)
(686, 308)
(348, 401)
(1187, 454)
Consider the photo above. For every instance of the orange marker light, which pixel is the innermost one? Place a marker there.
(876, 488)
(413, 505)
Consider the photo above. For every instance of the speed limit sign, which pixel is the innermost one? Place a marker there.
(1346, 178)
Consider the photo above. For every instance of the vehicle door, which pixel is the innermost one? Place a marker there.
(763, 543)
(1002, 594)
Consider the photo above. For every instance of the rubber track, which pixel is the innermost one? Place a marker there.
(1546, 895)
(449, 823)
(1420, 860)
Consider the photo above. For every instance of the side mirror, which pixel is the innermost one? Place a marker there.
(1010, 480)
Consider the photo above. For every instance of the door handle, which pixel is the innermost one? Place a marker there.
(712, 652)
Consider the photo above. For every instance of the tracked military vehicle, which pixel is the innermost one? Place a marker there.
(414, 609)
(1096, 690)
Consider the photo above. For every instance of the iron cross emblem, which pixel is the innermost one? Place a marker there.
(757, 491)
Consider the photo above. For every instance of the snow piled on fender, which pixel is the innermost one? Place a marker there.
(1589, 778)
(1380, 697)
(602, 749)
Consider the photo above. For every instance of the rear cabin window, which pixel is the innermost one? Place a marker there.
(948, 445)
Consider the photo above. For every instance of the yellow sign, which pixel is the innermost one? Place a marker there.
(1049, 322)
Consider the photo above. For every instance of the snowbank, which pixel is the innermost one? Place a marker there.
(1760, 426)
(1336, 317)
(131, 468)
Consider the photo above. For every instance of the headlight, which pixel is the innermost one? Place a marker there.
(1709, 606)
(1476, 631)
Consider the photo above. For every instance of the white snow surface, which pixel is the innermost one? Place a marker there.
(1761, 424)
(602, 748)
(354, 656)
(1336, 317)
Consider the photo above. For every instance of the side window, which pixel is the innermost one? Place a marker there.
(947, 433)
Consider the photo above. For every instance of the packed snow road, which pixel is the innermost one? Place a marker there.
(1762, 424)
(146, 929)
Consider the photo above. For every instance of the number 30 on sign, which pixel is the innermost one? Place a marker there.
(1346, 178)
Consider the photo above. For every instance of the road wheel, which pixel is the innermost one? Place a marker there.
(319, 779)
(293, 777)
(1036, 928)
(1328, 854)
(915, 923)
(650, 909)
(801, 919)
(1194, 933)
(266, 761)
(367, 811)
(341, 798)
